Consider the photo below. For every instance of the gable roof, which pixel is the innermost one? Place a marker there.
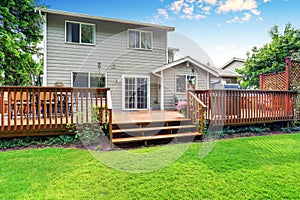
(58, 12)
(231, 61)
(209, 69)
(228, 73)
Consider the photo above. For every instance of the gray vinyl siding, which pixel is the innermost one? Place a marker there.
(234, 65)
(170, 83)
(110, 49)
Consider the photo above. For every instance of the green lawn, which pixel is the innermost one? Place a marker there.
(265, 167)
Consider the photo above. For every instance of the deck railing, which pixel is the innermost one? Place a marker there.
(238, 107)
(196, 111)
(27, 111)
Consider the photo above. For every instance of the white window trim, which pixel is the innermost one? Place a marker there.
(123, 90)
(196, 84)
(140, 32)
(80, 23)
(89, 77)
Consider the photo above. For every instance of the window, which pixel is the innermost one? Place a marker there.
(97, 80)
(185, 82)
(80, 79)
(139, 39)
(81, 33)
(85, 79)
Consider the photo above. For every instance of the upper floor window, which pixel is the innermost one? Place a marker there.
(81, 33)
(140, 39)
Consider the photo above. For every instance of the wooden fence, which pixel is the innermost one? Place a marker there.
(239, 107)
(32, 111)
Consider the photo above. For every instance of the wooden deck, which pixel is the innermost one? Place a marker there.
(29, 111)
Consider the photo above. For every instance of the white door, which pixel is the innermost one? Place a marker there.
(136, 93)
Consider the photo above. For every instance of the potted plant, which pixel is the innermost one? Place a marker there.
(155, 105)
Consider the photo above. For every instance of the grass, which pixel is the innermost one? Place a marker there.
(264, 167)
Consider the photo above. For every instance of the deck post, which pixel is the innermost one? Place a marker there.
(261, 81)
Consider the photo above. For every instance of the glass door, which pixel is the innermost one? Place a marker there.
(136, 90)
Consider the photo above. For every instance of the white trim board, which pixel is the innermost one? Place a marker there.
(123, 91)
(186, 59)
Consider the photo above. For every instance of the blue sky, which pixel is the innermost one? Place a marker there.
(223, 28)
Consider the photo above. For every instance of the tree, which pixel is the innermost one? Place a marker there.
(271, 57)
(20, 36)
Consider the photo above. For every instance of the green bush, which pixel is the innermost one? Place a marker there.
(37, 141)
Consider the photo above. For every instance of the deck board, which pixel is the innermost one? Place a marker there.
(120, 117)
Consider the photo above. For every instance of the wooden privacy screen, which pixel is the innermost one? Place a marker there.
(287, 80)
(273, 81)
(294, 75)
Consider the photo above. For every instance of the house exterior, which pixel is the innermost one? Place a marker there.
(230, 68)
(130, 58)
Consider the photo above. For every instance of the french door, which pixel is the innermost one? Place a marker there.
(136, 92)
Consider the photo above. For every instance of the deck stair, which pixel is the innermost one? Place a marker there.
(153, 130)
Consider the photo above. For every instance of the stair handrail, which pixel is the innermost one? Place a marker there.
(196, 111)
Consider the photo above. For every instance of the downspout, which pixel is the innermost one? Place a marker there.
(207, 80)
(44, 44)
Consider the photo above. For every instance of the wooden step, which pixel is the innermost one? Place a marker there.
(153, 122)
(155, 137)
(143, 129)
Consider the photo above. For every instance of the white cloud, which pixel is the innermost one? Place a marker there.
(222, 53)
(198, 16)
(176, 6)
(199, 9)
(163, 13)
(233, 20)
(246, 18)
(206, 10)
(237, 5)
(160, 16)
(188, 10)
(211, 2)
(255, 12)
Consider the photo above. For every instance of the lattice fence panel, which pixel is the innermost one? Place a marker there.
(274, 81)
(295, 85)
(295, 75)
